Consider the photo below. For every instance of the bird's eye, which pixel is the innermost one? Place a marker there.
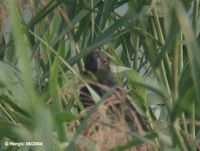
(104, 60)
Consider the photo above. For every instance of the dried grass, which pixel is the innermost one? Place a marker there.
(107, 127)
(3, 16)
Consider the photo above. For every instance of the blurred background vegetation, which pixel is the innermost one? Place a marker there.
(153, 46)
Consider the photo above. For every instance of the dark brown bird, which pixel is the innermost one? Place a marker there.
(116, 105)
(97, 66)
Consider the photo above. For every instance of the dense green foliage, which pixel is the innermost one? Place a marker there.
(154, 49)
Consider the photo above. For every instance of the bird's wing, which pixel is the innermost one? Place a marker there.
(115, 103)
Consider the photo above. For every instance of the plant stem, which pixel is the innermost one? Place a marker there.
(178, 136)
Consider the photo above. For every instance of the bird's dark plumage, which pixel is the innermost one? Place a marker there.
(97, 64)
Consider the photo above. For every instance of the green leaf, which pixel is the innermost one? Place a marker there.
(137, 90)
(11, 80)
(65, 117)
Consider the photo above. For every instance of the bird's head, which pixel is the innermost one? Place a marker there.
(97, 61)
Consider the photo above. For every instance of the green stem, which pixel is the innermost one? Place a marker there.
(195, 25)
(165, 64)
(136, 54)
(92, 18)
(192, 126)
(162, 70)
(157, 26)
(180, 64)
(175, 62)
(184, 123)
(178, 136)
(195, 16)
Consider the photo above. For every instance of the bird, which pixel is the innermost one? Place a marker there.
(116, 106)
